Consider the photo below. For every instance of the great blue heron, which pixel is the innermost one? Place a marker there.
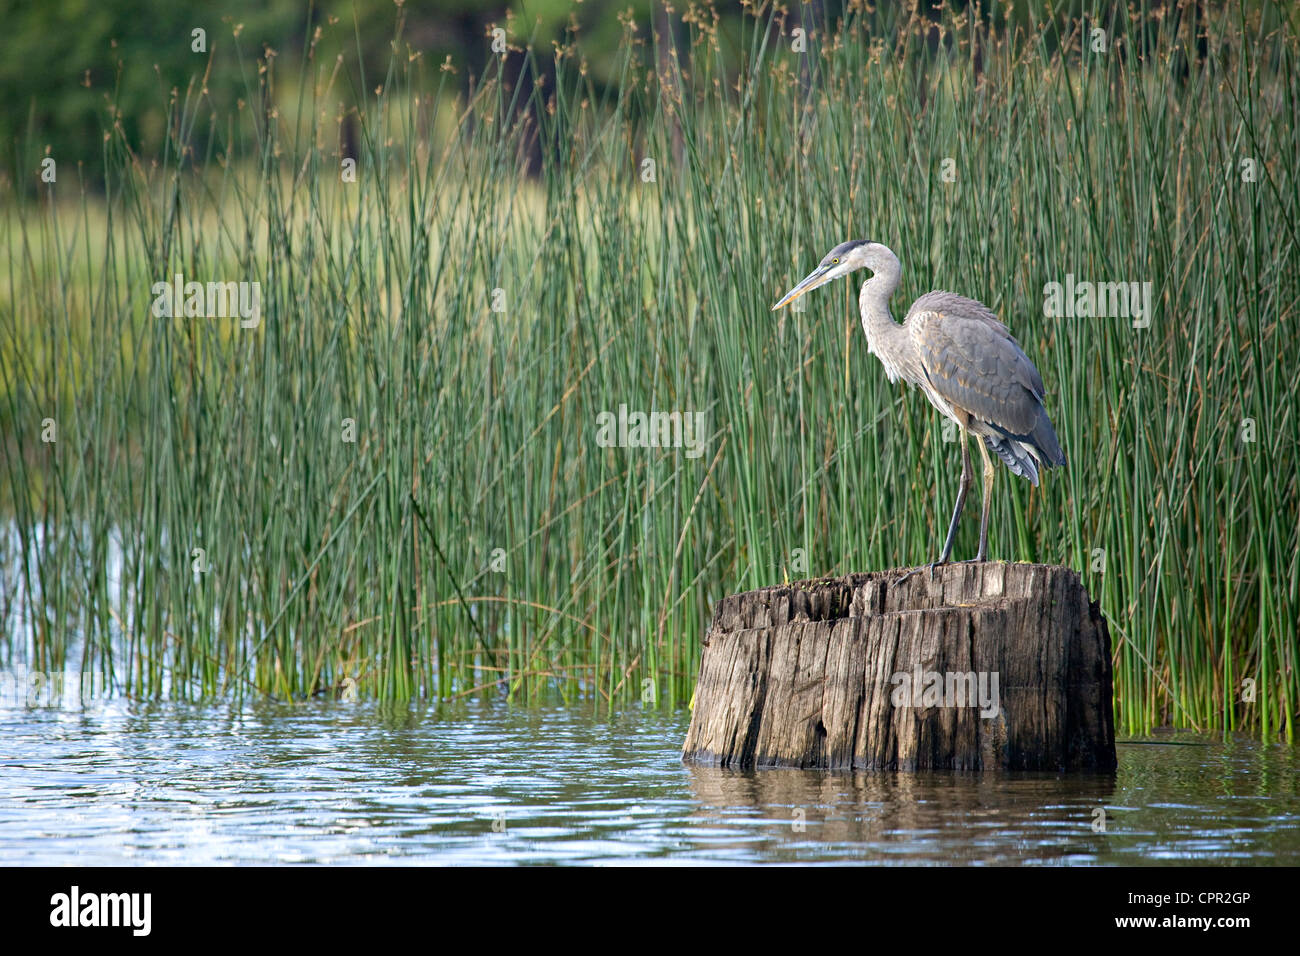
(956, 351)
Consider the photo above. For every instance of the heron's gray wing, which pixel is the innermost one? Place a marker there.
(974, 363)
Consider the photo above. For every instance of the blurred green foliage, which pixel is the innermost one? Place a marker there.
(75, 67)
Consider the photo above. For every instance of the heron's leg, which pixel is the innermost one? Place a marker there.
(961, 499)
(962, 488)
(983, 554)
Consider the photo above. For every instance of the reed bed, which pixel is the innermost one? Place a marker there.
(395, 478)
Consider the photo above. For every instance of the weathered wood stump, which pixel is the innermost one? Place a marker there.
(985, 666)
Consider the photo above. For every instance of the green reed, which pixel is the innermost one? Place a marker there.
(466, 324)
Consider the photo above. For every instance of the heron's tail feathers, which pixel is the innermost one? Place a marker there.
(1015, 456)
(1043, 438)
(1022, 454)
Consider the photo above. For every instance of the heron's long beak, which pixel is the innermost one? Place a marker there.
(819, 276)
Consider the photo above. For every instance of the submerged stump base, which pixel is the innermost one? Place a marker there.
(986, 666)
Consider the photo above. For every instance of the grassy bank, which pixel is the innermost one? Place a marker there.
(394, 478)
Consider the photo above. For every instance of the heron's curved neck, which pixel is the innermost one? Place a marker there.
(885, 337)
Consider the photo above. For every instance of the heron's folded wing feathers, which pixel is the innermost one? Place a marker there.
(973, 361)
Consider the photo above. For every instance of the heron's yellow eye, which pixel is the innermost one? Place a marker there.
(835, 262)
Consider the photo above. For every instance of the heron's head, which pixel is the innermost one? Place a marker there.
(845, 258)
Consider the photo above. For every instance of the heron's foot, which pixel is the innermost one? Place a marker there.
(898, 582)
(931, 566)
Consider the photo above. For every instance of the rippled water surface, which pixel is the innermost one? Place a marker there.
(349, 783)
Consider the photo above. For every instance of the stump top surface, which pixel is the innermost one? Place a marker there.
(864, 593)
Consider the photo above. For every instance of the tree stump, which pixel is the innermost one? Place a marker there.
(986, 666)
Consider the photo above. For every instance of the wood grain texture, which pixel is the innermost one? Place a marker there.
(811, 674)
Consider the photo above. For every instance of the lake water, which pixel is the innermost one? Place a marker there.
(339, 782)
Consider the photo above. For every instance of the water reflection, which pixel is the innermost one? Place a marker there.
(346, 782)
(931, 817)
